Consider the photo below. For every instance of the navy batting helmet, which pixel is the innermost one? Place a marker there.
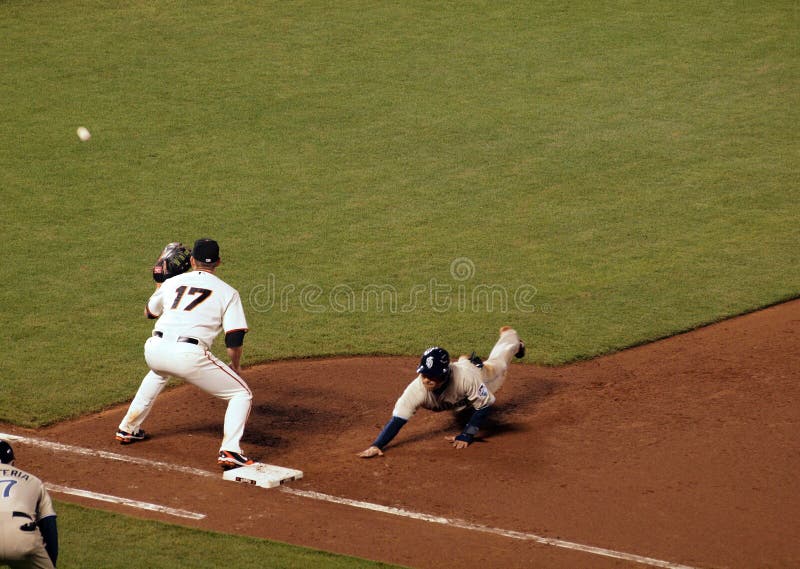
(435, 363)
(6, 453)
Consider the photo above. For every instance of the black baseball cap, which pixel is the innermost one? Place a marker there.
(206, 251)
(6, 453)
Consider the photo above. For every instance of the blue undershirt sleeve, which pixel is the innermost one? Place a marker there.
(474, 425)
(49, 530)
(389, 431)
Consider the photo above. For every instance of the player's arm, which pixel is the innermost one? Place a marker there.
(234, 340)
(386, 435)
(235, 325)
(155, 305)
(471, 429)
(235, 355)
(482, 400)
(46, 522)
(49, 531)
(404, 409)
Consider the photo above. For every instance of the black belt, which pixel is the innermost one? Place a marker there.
(21, 515)
(186, 339)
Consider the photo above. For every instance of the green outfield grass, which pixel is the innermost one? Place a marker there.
(93, 538)
(626, 169)
(630, 169)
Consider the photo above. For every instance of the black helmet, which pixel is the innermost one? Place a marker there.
(6, 453)
(435, 363)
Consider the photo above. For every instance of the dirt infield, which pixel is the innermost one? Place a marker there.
(685, 450)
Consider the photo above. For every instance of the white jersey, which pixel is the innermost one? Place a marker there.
(197, 304)
(468, 385)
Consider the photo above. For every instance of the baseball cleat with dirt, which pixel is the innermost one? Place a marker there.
(126, 438)
(229, 459)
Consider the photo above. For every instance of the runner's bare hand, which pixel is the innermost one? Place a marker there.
(458, 445)
(370, 452)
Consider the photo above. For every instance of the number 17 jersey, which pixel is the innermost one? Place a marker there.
(197, 304)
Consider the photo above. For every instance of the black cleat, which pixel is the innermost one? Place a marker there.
(476, 360)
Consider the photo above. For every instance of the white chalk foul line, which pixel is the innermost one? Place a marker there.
(119, 457)
(125, 502)
(453, 522)
(109, 455)
(364, 505)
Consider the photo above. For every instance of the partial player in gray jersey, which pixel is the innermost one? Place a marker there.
(28, 529)
(192, 308)
(442, 385)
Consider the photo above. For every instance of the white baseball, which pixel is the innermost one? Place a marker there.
(84, 134)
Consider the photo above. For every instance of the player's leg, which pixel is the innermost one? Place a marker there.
(152, 384)
(215, 377)
(37, 560)
(21, 549)
(156, 354)
(496, 366)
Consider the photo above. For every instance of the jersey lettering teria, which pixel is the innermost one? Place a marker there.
(466, 386)
(23, 492)
(197, 304)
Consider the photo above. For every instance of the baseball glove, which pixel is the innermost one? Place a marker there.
(174, 260)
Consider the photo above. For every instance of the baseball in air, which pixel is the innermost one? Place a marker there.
(84, 134)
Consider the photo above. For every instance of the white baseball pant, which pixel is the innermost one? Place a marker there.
(197, 365)
(496, 365)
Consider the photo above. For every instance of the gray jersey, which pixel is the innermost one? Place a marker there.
(468, 385)
(23, 493)
(24, 501)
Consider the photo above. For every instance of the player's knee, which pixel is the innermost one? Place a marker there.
(494, 368)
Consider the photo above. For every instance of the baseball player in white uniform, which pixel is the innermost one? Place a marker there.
(441, 385)
(28, 529)
(192, 308)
